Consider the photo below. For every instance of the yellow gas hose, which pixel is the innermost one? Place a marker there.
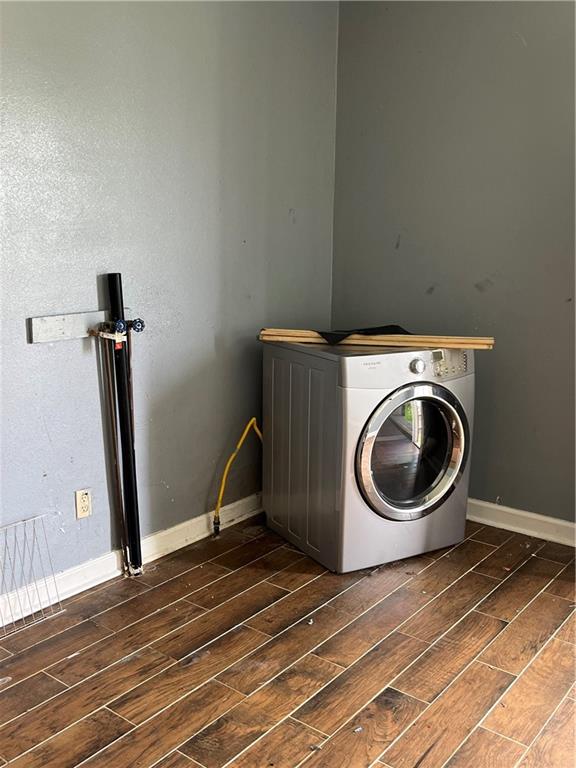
(252, 424)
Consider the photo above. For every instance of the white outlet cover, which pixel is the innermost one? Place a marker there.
(83, 503)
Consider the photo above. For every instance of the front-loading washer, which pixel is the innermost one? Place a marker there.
(366, 450)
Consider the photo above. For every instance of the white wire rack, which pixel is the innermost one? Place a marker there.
(28, 589)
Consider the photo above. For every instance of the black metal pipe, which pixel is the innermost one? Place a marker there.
(107, 355)
(129, 483)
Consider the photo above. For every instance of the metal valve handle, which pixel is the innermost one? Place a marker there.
(121, 326)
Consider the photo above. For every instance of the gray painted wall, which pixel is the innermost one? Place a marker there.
(191, 147)
(454, 213)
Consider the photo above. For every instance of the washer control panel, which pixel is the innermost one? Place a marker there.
(449, 362)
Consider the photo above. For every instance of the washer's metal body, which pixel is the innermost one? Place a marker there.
(366, 450)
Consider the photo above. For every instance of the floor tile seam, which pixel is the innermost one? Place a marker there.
(104, 705)
(190, 596)
(156, 714)
(38, 623)
(298, 706)
(266, 733)
(200, 684)
(44, 669)
(196, 565)
(279, 545)
(166, 634)
(551, 560)
(560, 703)
(518, 677)
(63, 730)
(452, 682)
(498, 583)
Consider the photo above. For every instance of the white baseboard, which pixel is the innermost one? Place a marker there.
(105, 567)
(520, 521)
(163, 542)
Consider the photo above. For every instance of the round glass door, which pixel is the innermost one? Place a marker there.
(412, 451)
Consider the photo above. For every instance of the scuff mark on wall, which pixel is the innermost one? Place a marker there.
(483, 285)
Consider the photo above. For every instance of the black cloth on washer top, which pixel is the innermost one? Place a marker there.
(334, 337)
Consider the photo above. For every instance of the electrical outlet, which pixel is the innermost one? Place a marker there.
(83, 503)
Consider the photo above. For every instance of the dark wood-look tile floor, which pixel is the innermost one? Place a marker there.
(241, 652)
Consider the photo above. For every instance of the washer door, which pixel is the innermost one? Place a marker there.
(412, 451)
